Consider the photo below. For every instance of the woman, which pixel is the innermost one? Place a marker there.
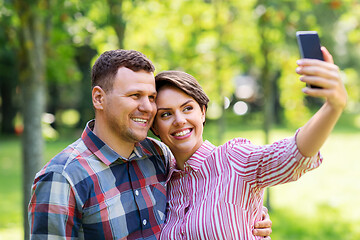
(217, 192)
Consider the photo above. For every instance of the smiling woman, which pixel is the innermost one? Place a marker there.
(179, 123)
(209, 185)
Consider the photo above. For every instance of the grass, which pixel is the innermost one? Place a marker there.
(290, 224)
(10, 179)
(323, 204)
(11, 184)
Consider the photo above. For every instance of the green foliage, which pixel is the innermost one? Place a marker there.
(212, 40)
(351, 78)
(327, 224)
(69, 117)
(292, 98)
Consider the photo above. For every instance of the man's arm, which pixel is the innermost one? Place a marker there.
(52, 210)
(326, 75)
(263, 228)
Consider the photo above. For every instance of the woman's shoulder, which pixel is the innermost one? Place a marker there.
(236, 142)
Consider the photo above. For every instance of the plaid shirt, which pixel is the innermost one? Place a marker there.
(88, 191)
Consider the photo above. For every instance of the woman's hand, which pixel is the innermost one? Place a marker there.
(263, 227)
(326, 75)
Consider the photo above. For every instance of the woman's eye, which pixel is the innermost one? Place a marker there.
(188, 108)
(165, 114)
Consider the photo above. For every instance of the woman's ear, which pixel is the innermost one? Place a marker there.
(203, 116)
(98, 97)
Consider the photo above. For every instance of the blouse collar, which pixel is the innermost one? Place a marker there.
(195, 162)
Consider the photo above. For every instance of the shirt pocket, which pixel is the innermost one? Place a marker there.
(109, 208)
(156, 192)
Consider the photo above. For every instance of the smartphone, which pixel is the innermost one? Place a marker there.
(309, 46)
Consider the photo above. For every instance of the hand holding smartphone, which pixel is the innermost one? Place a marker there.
(309, 46)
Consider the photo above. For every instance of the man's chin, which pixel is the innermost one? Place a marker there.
(139, 136)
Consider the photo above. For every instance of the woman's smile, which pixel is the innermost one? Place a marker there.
(182, 134)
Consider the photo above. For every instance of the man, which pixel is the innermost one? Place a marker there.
(110, 183)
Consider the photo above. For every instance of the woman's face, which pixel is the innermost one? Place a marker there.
(179, 121)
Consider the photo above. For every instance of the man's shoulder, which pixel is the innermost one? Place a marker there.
(64, 158)
(156, 147)
(149, 141)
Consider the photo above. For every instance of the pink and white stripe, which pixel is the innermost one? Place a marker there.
(220, 193)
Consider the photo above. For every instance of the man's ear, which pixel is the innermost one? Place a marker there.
(98, 97)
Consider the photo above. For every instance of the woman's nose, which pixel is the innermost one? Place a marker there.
(179, 119)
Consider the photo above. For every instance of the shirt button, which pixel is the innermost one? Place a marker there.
(136, 192)
(144, 222)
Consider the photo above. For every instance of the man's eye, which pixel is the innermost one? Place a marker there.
(135, 95)
(152, 98)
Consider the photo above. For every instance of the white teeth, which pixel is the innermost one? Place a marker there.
(182, 133)
(139, 120)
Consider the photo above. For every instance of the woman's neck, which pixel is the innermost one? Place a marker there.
(181, 158)
(180, 161)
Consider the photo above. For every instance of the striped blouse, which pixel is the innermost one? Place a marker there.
(219, 195)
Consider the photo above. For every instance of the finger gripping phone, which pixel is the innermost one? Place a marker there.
(309, 46)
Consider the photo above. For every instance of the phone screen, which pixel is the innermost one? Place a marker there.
(309, 45)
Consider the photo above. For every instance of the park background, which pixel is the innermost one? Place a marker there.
(242, 52)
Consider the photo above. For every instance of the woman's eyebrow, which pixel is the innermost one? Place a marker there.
(164, 108)
(188, 101)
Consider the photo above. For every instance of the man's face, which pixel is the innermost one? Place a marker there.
(130, 107)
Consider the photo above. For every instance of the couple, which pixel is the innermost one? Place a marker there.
(115, 183)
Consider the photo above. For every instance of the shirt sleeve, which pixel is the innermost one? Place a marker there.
(270, 165)
(52, 209)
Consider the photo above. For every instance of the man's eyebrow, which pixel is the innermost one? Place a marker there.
(163, 109)
(141, 91)
(188, 101)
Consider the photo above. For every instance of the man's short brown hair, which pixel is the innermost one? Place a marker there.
(106, 66)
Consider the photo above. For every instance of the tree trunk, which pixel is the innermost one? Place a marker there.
(32, 141)
(32, 80)
(116, 20)
(83, 59)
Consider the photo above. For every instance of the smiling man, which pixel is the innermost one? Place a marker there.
(110, 183)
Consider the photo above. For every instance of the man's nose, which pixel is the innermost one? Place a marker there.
(146, 105)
